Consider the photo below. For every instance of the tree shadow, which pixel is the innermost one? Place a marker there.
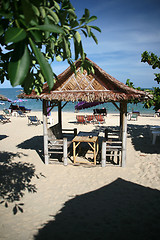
(120, 210)
(3, 137)
(15, 179)
(141, 139)
(34, 143)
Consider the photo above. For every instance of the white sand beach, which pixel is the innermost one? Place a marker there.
(78, 202)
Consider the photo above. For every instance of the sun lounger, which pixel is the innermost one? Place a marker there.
(7, 112)
(99, 119)
(3, 119)
(21, 114)
(33, 120)
(90, 118)
(81, 119)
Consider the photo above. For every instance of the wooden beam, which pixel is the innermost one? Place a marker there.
(45, 132)
(64, 105)
(124, 133)
(51, 106)
(116, 105)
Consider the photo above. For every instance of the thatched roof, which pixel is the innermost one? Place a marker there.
(99, 86)
(3, 98)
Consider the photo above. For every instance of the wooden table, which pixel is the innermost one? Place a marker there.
(92, 142)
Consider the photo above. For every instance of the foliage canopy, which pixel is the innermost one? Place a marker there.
(34, 33)
(154, 100)
(154, 61)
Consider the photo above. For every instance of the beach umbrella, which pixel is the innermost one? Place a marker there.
(83, 105)
(19, 100)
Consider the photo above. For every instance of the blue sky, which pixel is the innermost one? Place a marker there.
(128, 29)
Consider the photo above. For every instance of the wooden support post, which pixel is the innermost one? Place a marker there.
(106, 134)
(124, 133)
(103, 154)
(74, 152)
(121, 120)
(65, 152)
(75, 132)
(45, 132)
(60, 113)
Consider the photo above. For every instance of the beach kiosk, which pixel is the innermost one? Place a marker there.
(96, 87)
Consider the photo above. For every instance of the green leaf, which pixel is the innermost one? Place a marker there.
(56, 5)
(47, 33)
(19, 65)
(28, 11)
(82, 51)
(86, 14)
(53, 14)
(91, 19)
(36, 10)
(85, 34)
(42, 11)
(72, 12)
(49, 27)
(28, 84)
(14, 35)
(76, 49)
(37, 36)
(96, 28)
(77, 36)
(94, 38)
(44, 65)
(88, 30)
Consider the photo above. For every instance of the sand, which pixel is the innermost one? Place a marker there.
(78, 202)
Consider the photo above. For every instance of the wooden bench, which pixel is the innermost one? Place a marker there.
(112, 148)
(59, 140)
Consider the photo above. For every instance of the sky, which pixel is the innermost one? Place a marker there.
(128, 28)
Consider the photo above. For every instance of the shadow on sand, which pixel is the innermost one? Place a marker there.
(120, 210)
(141, 139)
(139, 135)
(34, 143)
(3, 137)
(15, 179)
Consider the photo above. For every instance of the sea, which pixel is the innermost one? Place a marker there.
(36, 105)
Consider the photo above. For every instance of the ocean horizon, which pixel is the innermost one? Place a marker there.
(36, 105)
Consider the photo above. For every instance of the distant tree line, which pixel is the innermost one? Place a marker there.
(154, 101)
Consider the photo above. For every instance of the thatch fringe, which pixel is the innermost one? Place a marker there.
(99, 86)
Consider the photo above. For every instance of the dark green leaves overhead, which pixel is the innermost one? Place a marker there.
(14, 35)
(44, 65)
(53, 15)
(50, 27)
(35, 33)
(19, 65)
